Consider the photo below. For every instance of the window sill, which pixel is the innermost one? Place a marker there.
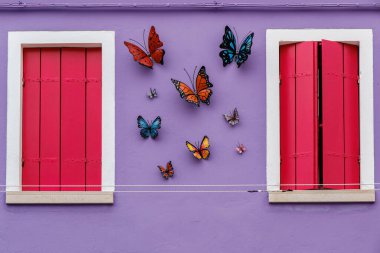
(322, 196)
(64, 197)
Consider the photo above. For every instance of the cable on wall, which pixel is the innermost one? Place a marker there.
(189, 5)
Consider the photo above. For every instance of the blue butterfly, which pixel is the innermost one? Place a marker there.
(230, 49)
(149, 129)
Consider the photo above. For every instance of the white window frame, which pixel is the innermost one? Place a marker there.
(364, 39)
(29, 39)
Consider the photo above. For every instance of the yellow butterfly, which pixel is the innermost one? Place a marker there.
(202, 151)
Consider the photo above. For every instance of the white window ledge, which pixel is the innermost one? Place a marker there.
(63, 197)
(322, 196)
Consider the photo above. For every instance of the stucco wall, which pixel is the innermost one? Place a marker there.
(188, 222)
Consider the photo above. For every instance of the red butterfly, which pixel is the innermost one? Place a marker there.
(168, 172)
(144, 57)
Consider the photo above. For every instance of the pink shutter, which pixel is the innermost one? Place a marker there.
(298, 113)
(31, 119)
(351, 116)
(50, 118)
(288, 116)
(93, 118)
(73, 129)
(340, 106)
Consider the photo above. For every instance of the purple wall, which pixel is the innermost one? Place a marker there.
(189, 222)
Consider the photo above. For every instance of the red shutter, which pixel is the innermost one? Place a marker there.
(73, 117)
(288, 116)
(340, 117)
(298, 115)
(62, 119)
(50, 118)
(94, 118)
(31, 119)
(351, 116)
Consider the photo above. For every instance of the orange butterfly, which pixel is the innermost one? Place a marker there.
(168, 171)
(202, 91)
(202, 152)
(144, 57)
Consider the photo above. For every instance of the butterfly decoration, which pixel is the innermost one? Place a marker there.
(155, 52)
(200, 93)
(152, 93)
(230, 52)
(202, 151)
(149, 129)
(168, 171)
(240, 148)
(232, 118)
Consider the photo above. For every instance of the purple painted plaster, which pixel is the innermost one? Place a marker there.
(188, 222)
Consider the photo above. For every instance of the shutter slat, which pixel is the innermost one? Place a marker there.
(73, 118)
(306, 115)
(50, 118)
(332, 114)
(93, 118)
(31, 119)
(351, 116)
(287, 117)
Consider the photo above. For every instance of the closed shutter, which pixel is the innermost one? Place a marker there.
(340, 115)
(61, 145)
(299, 116)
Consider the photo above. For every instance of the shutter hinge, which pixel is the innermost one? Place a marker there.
(23, 82)
(22, 163)
(358, 160)
(279, 80)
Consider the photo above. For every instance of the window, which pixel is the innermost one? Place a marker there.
(319, 120)
(60, 132)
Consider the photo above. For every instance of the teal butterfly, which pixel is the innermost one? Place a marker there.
(230, 52)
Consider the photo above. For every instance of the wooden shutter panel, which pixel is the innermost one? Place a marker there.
(50, 119)
(73, 129)
(298, 115)
(31, 119)
(93, 119)
(340, 117)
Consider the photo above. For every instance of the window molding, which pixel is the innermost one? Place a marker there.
(19, 40)
(361, 37)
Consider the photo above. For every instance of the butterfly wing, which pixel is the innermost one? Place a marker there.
(229, 46)
(203, 86)
(186, 92)
(145, 128)
(204, 148)
(232, 119)
(154, 44)
(194, 150)
(139, 55)
(156, 124)
(163, 172)
(245, 50)
(169, 169)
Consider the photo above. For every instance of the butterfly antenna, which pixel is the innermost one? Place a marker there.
(188, 75)
(237, 39)
(144, 41)
(193, 83)
(140, 45)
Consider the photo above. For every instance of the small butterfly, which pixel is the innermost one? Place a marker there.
(202, 151)
(152, 93)
(240, 148)
(145, 57)
(200, 93)
(229, 52)
(149, 129)
(233, 118)
(168, 171)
